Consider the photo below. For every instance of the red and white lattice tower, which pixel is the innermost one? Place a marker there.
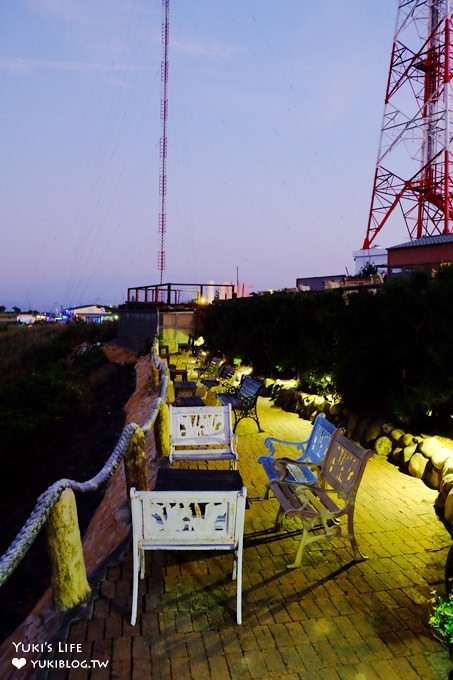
(413, 181)
(163, 139)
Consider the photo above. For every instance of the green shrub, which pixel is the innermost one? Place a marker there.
(441, 618)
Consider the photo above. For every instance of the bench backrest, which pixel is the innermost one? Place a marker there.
(213, 367)
(319, 439)
(344, 465)
(187, 520)
(227, 372)
(248, 388)
(201, 426)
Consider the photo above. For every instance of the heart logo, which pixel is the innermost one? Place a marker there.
(19, 662)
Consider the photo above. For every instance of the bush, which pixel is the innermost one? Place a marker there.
(387, 353)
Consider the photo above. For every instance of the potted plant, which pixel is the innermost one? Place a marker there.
(441, 619)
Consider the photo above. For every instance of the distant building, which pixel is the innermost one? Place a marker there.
(375, 256)
(8, 317)
(428, 252)
(346, 283)
(28, 318)
(93, 313)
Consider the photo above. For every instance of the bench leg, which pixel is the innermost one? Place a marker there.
(246, 415)
(358, 555)
(136, 569)
(278, 519)
(238, 566)
(300, 551)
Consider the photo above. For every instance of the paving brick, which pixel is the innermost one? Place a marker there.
(198, 668)
(121, 669)
(161, 669)
(78, 632)
(238, 666)
(218, 667)
(329, 619)
(141, 668)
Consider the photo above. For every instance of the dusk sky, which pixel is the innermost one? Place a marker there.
(275, 110)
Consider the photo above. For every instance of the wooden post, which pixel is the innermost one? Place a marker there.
(155, 375)
(162, 430)
(69, 578)
(135, 462)
(170, 392)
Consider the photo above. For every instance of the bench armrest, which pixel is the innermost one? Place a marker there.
(270, 442)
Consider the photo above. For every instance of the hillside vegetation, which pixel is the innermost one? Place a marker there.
(61, 414)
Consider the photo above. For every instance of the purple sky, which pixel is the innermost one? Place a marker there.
(275, 111)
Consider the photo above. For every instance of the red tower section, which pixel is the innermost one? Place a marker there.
(412, 180)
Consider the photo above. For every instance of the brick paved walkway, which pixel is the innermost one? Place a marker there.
(328, 620)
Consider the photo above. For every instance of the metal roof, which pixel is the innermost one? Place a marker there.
(425, 241)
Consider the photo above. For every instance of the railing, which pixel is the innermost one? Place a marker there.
(181, 293)
(56, 507)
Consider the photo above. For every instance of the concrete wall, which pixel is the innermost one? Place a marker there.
(137, 327)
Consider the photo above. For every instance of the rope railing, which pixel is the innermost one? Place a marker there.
(50, 506)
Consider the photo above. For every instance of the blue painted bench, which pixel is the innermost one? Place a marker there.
(328, 505)
(312, 450)
(243, 399)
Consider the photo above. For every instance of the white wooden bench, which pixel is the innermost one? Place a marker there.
(322, 505)
(311, 450)
(187, 520)
(202, 433)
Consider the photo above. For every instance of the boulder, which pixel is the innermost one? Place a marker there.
(428, 446)
(335, 410)
(431, 476)
(351, 425)
(448, 508)
(383, 446)
(396, 434)
(408, 452)
(446, 483)
(407, 439)
(417, 464)
(372, 431)
(396, 456)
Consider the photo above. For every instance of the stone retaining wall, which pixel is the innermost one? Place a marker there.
(429, 458)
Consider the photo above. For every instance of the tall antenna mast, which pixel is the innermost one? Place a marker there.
(413, 171)
(163, 139)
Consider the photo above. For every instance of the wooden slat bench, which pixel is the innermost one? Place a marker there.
(224, 377)
(312, 450)
(321, 506)
(243, 400)
(210, 371)
(202, 433)
(194, 511)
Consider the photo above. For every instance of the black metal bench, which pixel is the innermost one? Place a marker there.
(210, 370)
(243, 399)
